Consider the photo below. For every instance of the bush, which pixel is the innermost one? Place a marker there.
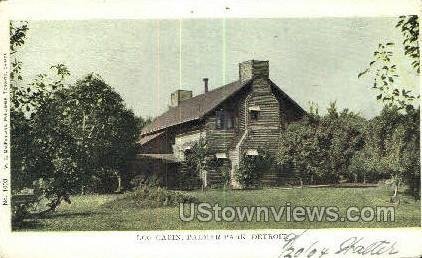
(151, 197)
(187, 177)
(224, 171)
(251, 168)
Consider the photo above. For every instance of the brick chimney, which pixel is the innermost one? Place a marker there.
(253, 69)
(179, 96)
(205, 85)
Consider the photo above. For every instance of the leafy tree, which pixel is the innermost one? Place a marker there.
(65, 138)
(392, 149)
(409, 26)
(83, 134)
(321, 147)
(196, 162)
(384, 70)
(393, 137)
(25, 99)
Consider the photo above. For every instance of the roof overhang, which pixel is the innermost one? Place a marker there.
(147, 138)
(300, 109)
(166, 158)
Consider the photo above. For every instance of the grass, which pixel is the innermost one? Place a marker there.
(118, 212)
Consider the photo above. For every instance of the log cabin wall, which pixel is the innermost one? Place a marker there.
(289, 112)
(221, 140)
(275, 111)
(265, 129)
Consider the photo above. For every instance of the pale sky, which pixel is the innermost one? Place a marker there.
(311, 59)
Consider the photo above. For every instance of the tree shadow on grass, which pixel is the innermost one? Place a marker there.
(70, 215)
(29, 224)
(36, 222)
(354, 185)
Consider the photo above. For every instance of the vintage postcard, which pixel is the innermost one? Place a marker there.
(195, 129)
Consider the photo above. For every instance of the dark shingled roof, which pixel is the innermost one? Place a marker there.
(193, 108)
(196, 107)
(149, 137)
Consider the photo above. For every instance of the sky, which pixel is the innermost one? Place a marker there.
(311, 59)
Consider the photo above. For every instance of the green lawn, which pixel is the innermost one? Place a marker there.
(90, 212)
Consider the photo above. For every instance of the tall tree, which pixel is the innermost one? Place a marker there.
(393, 138)
(82, 134)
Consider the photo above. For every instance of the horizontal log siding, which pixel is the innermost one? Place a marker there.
(262, 96)
(262, 138)
(219, 140)
(264, 132)
(223, 140)
(289, 112)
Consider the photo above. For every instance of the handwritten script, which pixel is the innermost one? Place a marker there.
(294, 247)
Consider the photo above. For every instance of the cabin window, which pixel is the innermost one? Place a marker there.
(254, 113)
(224, 120)
(187, 152)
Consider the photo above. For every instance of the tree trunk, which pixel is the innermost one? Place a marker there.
(394, 198)
(119, 182)
(53, 206)
(396, 188)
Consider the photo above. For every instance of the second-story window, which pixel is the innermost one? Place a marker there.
(254, 113)
(224, 120)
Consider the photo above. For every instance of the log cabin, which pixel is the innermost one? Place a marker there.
(237, 118)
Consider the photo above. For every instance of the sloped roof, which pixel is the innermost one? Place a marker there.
(196, 107)
(149, 137)
(193, 108)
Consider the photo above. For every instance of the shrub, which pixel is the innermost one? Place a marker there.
(187, 177)
(224, 171)
(251, 168)
(222, 167)
(21, 209)
(151, 197)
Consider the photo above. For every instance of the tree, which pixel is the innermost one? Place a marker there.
(321, 147)
(25, 99)
(392, 149)
(83, 134)
(409, 26)
(197, 160)
(384, 70)
(64, 137)
(393, 139)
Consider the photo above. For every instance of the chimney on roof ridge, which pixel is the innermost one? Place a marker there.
(252, 69)
(205, 85)
(178, 96)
